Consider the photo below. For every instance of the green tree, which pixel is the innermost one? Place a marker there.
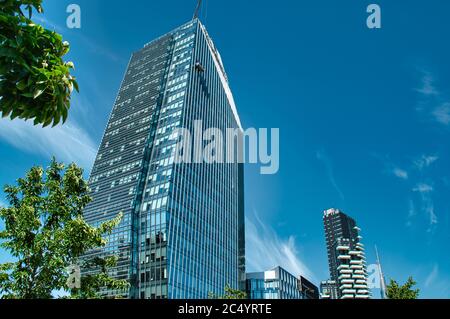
(396, 291)
(35, 82)
(92, 284)
(45, 233)
(229, 293)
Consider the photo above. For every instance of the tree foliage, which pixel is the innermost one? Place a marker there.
(35, 82)
(92, 283)
(229, 293)
(45, 233)
(396, 291)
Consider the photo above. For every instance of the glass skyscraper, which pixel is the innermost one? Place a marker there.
(182, 234)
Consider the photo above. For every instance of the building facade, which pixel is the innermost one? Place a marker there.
(182, 232)
(278, 283)
(328, 290)
(307, 289)
(346, 257)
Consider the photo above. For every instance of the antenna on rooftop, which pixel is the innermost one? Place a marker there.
(382, 280)
(197, 9)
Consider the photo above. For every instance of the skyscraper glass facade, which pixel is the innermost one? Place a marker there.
(278, 283)
(182, 234)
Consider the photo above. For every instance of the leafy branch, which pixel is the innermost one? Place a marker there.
(35, 82)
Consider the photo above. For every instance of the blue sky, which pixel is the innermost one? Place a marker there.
(364, 118)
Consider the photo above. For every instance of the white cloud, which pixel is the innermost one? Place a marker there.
(425, 191)
(429, 210)
(442, 114)
(432, 276)
(266, 250)
(68, 142)
(400, 173)
(433, 100)
(425, 204)
(425, 161)
(423, 188)
(411, 213)
(391, 168)
(428, 87)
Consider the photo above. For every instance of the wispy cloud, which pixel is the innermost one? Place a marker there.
(266, 250)
(400, 173)
(427, 87)
(432, 276)
(425, 161)
(392, 169)
(435, 280)
(419, 163)
(67, 142)
(429, 210)
(442, 114)
(423, 188)
(411, 213)
(422, 202)
(427, 204)
(324, 158)
(433, 100)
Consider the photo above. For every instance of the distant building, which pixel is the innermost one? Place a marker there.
(277, 283)
(346, 256)
(328, 290)
(307, 288)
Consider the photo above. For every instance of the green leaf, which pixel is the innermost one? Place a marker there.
(64, 113)
(37, 93)
(22, 85)
(75, 84)
(28, 94)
